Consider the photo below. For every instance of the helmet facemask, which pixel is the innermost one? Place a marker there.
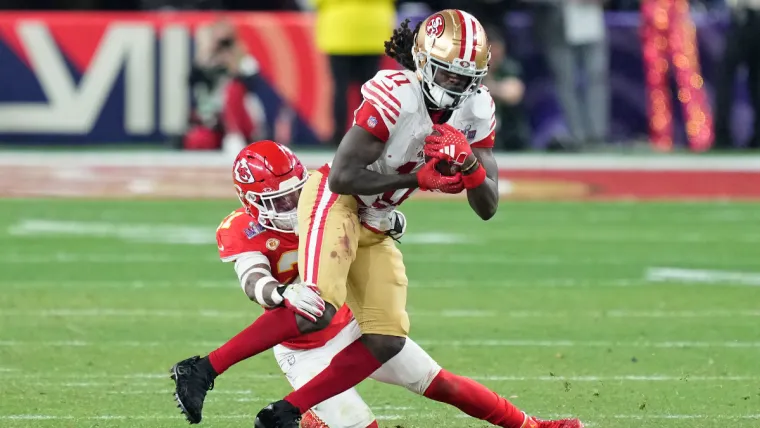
(277, 210)
(439, 80)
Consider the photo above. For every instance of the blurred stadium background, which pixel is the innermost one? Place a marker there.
(618, 282)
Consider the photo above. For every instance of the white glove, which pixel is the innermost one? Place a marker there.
(303, 299)
(398, 225)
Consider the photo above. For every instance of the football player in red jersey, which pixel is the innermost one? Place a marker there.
(260, 239)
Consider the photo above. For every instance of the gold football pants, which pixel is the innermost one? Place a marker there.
(349, 263)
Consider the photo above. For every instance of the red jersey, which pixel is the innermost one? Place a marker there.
(240, 233)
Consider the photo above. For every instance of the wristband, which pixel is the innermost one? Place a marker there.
(472, 165)
(475, 179)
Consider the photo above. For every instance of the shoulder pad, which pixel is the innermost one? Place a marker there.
(481, 104)
(234, 235)
(394, 89)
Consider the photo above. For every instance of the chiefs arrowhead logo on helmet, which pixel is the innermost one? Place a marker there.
(272, 194)
(242, 172)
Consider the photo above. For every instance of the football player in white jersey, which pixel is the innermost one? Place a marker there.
(434, 112)
(345, 208)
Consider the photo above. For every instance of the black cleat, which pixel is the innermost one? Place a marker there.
(281, 414)
(192, 377)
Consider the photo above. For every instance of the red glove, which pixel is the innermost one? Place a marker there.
(429, 178)
(451, 145)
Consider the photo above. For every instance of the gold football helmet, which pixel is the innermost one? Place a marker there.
(451, 54)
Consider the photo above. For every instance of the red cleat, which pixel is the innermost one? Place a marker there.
(532, 422)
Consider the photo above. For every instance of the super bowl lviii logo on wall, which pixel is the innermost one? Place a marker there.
(109, 78)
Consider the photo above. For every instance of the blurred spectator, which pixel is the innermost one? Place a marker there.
(352, 33)
(227, 112)
(507, 89)
(573, 38)
(742, 46)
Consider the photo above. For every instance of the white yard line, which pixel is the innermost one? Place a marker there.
(147, 387)
(438, 238)
(153, 233)
(659, 274)
(94, 258)
(125, 284)
(65, 257)
(450, 343)
(587, 343)
(140, 313)
(629, 378)
(148, 380)
(609, 235)
(425, 284)
(726, 417)
(411, 415)
(168, 388)
(110, 417)
(644, 416)
(221, 160)
(194, 234)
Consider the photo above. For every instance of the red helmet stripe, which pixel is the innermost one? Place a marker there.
(464, 33)
(474, 39)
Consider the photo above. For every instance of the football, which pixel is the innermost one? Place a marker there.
(444, 167)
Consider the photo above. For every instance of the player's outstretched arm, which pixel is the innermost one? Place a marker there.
(260, 286)
(484, 199)
(349, 174)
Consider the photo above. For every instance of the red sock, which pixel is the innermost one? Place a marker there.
(474, 399)
(270, 329)
(373, 425)
(347, 368)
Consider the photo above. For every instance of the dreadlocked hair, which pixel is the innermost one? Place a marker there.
(399, 47)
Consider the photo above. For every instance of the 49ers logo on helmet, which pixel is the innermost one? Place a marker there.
(243, 173)
(435, 26)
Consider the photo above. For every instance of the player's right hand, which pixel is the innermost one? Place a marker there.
(303, 299)
(429, 178)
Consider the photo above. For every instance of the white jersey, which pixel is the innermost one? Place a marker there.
(394, 110)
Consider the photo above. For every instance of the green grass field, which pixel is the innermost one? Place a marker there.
(564, 307)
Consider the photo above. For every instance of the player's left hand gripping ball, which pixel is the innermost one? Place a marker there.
(303, 299)
(450, 145)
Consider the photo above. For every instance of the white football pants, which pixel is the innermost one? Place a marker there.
(411, 368)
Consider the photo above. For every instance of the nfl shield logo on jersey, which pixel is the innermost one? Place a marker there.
(372, 122)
